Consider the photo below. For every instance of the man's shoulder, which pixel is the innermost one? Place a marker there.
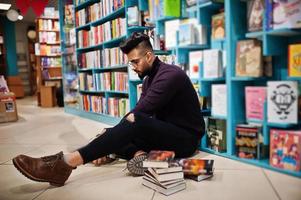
(171, 68)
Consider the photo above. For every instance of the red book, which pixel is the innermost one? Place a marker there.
(285, 149)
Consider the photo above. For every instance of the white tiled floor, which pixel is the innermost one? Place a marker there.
(41, 132)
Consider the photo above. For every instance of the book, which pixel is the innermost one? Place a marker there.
(212, 63)
(162, 190)
(255, 99)
(282, 101)
(166, 176)
(166, 183)
(171, 28)
(286, 14)
(268, 15)
(217, 134)
(249, 142)
(195, 57)
(190, 3)
(195, 167)
(219, 100)
(186, 34)
(249, 58)
(200, 177)
(255, 14)
(172, 167)
(218, 26)
(134, 16)
(158, 159)
(172, 8)
(285, 148)
(294, 60)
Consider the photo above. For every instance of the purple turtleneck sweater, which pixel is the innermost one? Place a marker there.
(168, 95)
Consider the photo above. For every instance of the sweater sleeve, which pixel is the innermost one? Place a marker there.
(160, 92)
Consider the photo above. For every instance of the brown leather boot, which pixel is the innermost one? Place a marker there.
(52, 169)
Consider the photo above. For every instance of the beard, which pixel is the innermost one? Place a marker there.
(144, 73)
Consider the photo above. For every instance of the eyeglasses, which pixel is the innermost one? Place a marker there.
(133, 63)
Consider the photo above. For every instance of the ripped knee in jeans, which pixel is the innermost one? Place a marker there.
(131, 118)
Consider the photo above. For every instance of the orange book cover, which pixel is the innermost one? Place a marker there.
(196, 166)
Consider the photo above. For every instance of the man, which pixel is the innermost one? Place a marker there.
(166, 117)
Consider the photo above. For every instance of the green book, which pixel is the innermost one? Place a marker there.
(172, 8)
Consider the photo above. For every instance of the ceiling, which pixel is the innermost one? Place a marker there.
(30, 15)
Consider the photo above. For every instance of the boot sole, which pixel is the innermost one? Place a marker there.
(27, 175)
(135, 165)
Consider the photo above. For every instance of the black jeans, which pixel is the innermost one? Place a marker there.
(145, 134)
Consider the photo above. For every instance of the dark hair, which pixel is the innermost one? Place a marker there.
(137, 39)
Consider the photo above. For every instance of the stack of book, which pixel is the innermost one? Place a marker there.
(163, 175)
(166, 175)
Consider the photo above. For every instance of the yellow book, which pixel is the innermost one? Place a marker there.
(294, 60)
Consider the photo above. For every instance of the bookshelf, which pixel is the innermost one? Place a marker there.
(2, 55)
(68, 51)
(274, 43)
(32, 61)
(48, 59)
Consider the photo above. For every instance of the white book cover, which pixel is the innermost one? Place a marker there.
(286, 14)
(186, 34)
(133, 16)
(171, 28)
(195, 57)
(219, 100)
(283, 102)
(212, 63)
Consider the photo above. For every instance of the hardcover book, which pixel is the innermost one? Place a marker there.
(219, 100)
(294, 60)
(255, 99)
(166, 176)
(286, 14)
(186, 34)
(134, 16)
(171, 28)
(212, 63)
(163, 190)
(217, 132)
(249, 58)
(195, 57)
(218, 26)
(168, 183)
(285, 148)
(282, 102)
(158, 159)
(195, 167)
(255, 14)
(164, 184)
(249, 142)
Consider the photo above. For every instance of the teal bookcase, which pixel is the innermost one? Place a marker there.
(274, 43)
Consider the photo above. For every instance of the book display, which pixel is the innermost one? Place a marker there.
(48, 58)
(244, 63)
(259, 68)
